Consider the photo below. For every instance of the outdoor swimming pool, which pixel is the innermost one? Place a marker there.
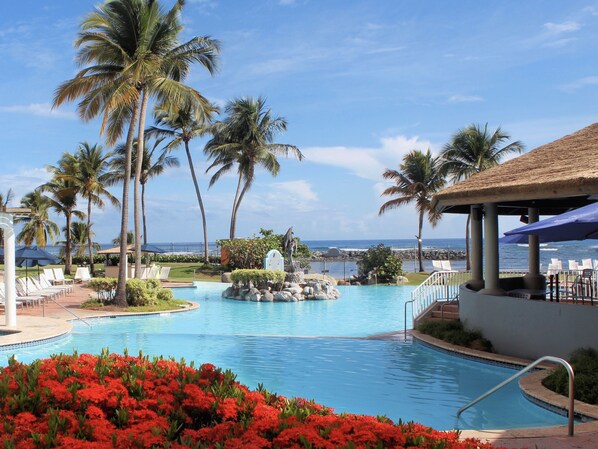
(273, 344)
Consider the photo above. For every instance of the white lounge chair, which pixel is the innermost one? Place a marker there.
(164, 272)
(145, 273)
(446, 265)
(573, 265)
(154, 272)
(586, 264)
(49, 273)
(437, 264)
(59, 277)
(82, 274)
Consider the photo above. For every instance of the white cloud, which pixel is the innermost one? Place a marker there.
(276, 65)
(300, 188)
(368, 163)
(23, 182)
(565, 27)
(286, 2)
(580, 83)
(465, 99)
(40, 109)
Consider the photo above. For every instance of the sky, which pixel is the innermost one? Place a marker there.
(360, 83)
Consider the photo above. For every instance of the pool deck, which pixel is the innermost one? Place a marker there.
(51, 321)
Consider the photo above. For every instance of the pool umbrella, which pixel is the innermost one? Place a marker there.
(31, 256)
(147, 248)
(577, 224)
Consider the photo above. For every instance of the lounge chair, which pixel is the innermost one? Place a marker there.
(82, 274)
(586, 264)
(20, 302)
(573, 265)
(164, 272)
(59, 277)
(44, 282)
(145, 273)
(49, 273)
(437, 264)
(154, 272)
(446, 265)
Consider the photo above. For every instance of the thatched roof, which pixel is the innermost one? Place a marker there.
(554, 177)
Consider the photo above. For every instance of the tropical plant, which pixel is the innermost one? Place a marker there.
(154, 163)
(80, 239)
(133, 52)
(37, 227)
(91, 177)
(419, 177)
(130, 239)
(381, 262)
(245, 139)
(64, 200)
(472, 150)
(182, 125)
(4, 200)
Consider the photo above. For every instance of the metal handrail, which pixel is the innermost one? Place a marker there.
(405, 317)
(70, 311)
(450, 301)
(546, 358)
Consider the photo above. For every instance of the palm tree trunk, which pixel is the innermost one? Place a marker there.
(68, 257)
(89, 236)
(143, 213)
(120, 297)
(199, 200)
(140, 145)
(467, 261)
(419, 241)
(232, 215)
(245, 189)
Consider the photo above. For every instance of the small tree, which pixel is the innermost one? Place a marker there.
(380, 260)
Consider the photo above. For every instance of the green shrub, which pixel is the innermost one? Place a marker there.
(585, 366)
(452, 331)
(259, 278)
(104, 287)
(164, 294)
(381, 261)
(138, 293)
(250, 253)
(153, 284)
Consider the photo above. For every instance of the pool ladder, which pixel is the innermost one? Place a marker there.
(529, 367)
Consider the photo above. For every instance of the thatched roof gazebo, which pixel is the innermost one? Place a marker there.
(548, 180)
(554, 178)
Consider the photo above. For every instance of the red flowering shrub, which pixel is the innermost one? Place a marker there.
(113, 401)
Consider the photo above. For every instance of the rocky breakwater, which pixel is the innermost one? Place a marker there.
(310, 290)
(404, 254)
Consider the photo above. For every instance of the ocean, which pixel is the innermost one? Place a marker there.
(512, 256)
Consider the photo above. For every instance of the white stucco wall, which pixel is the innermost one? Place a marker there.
(527, 328)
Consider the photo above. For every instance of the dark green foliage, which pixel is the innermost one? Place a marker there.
(380, 260)
(585, 366)
(452, 331)
(250, 253)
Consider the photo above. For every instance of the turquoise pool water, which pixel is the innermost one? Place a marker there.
(274, 344)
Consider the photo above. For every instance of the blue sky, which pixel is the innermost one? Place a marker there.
(360, 83)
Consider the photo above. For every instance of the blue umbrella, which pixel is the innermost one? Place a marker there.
(577, 224)
(147, 248)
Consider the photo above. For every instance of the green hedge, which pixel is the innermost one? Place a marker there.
(259, 278)
(453, 332)
(585, 366)
(139, 292)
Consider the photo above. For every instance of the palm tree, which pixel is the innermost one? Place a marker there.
(419, 177)
(181, 125)
(153, 164)
(91, 178)
(80, 238)
(134, 45)
(472, 150)
(64, 199)
(38, 227)
(245, 139)
(130, 239)
(4, 200)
